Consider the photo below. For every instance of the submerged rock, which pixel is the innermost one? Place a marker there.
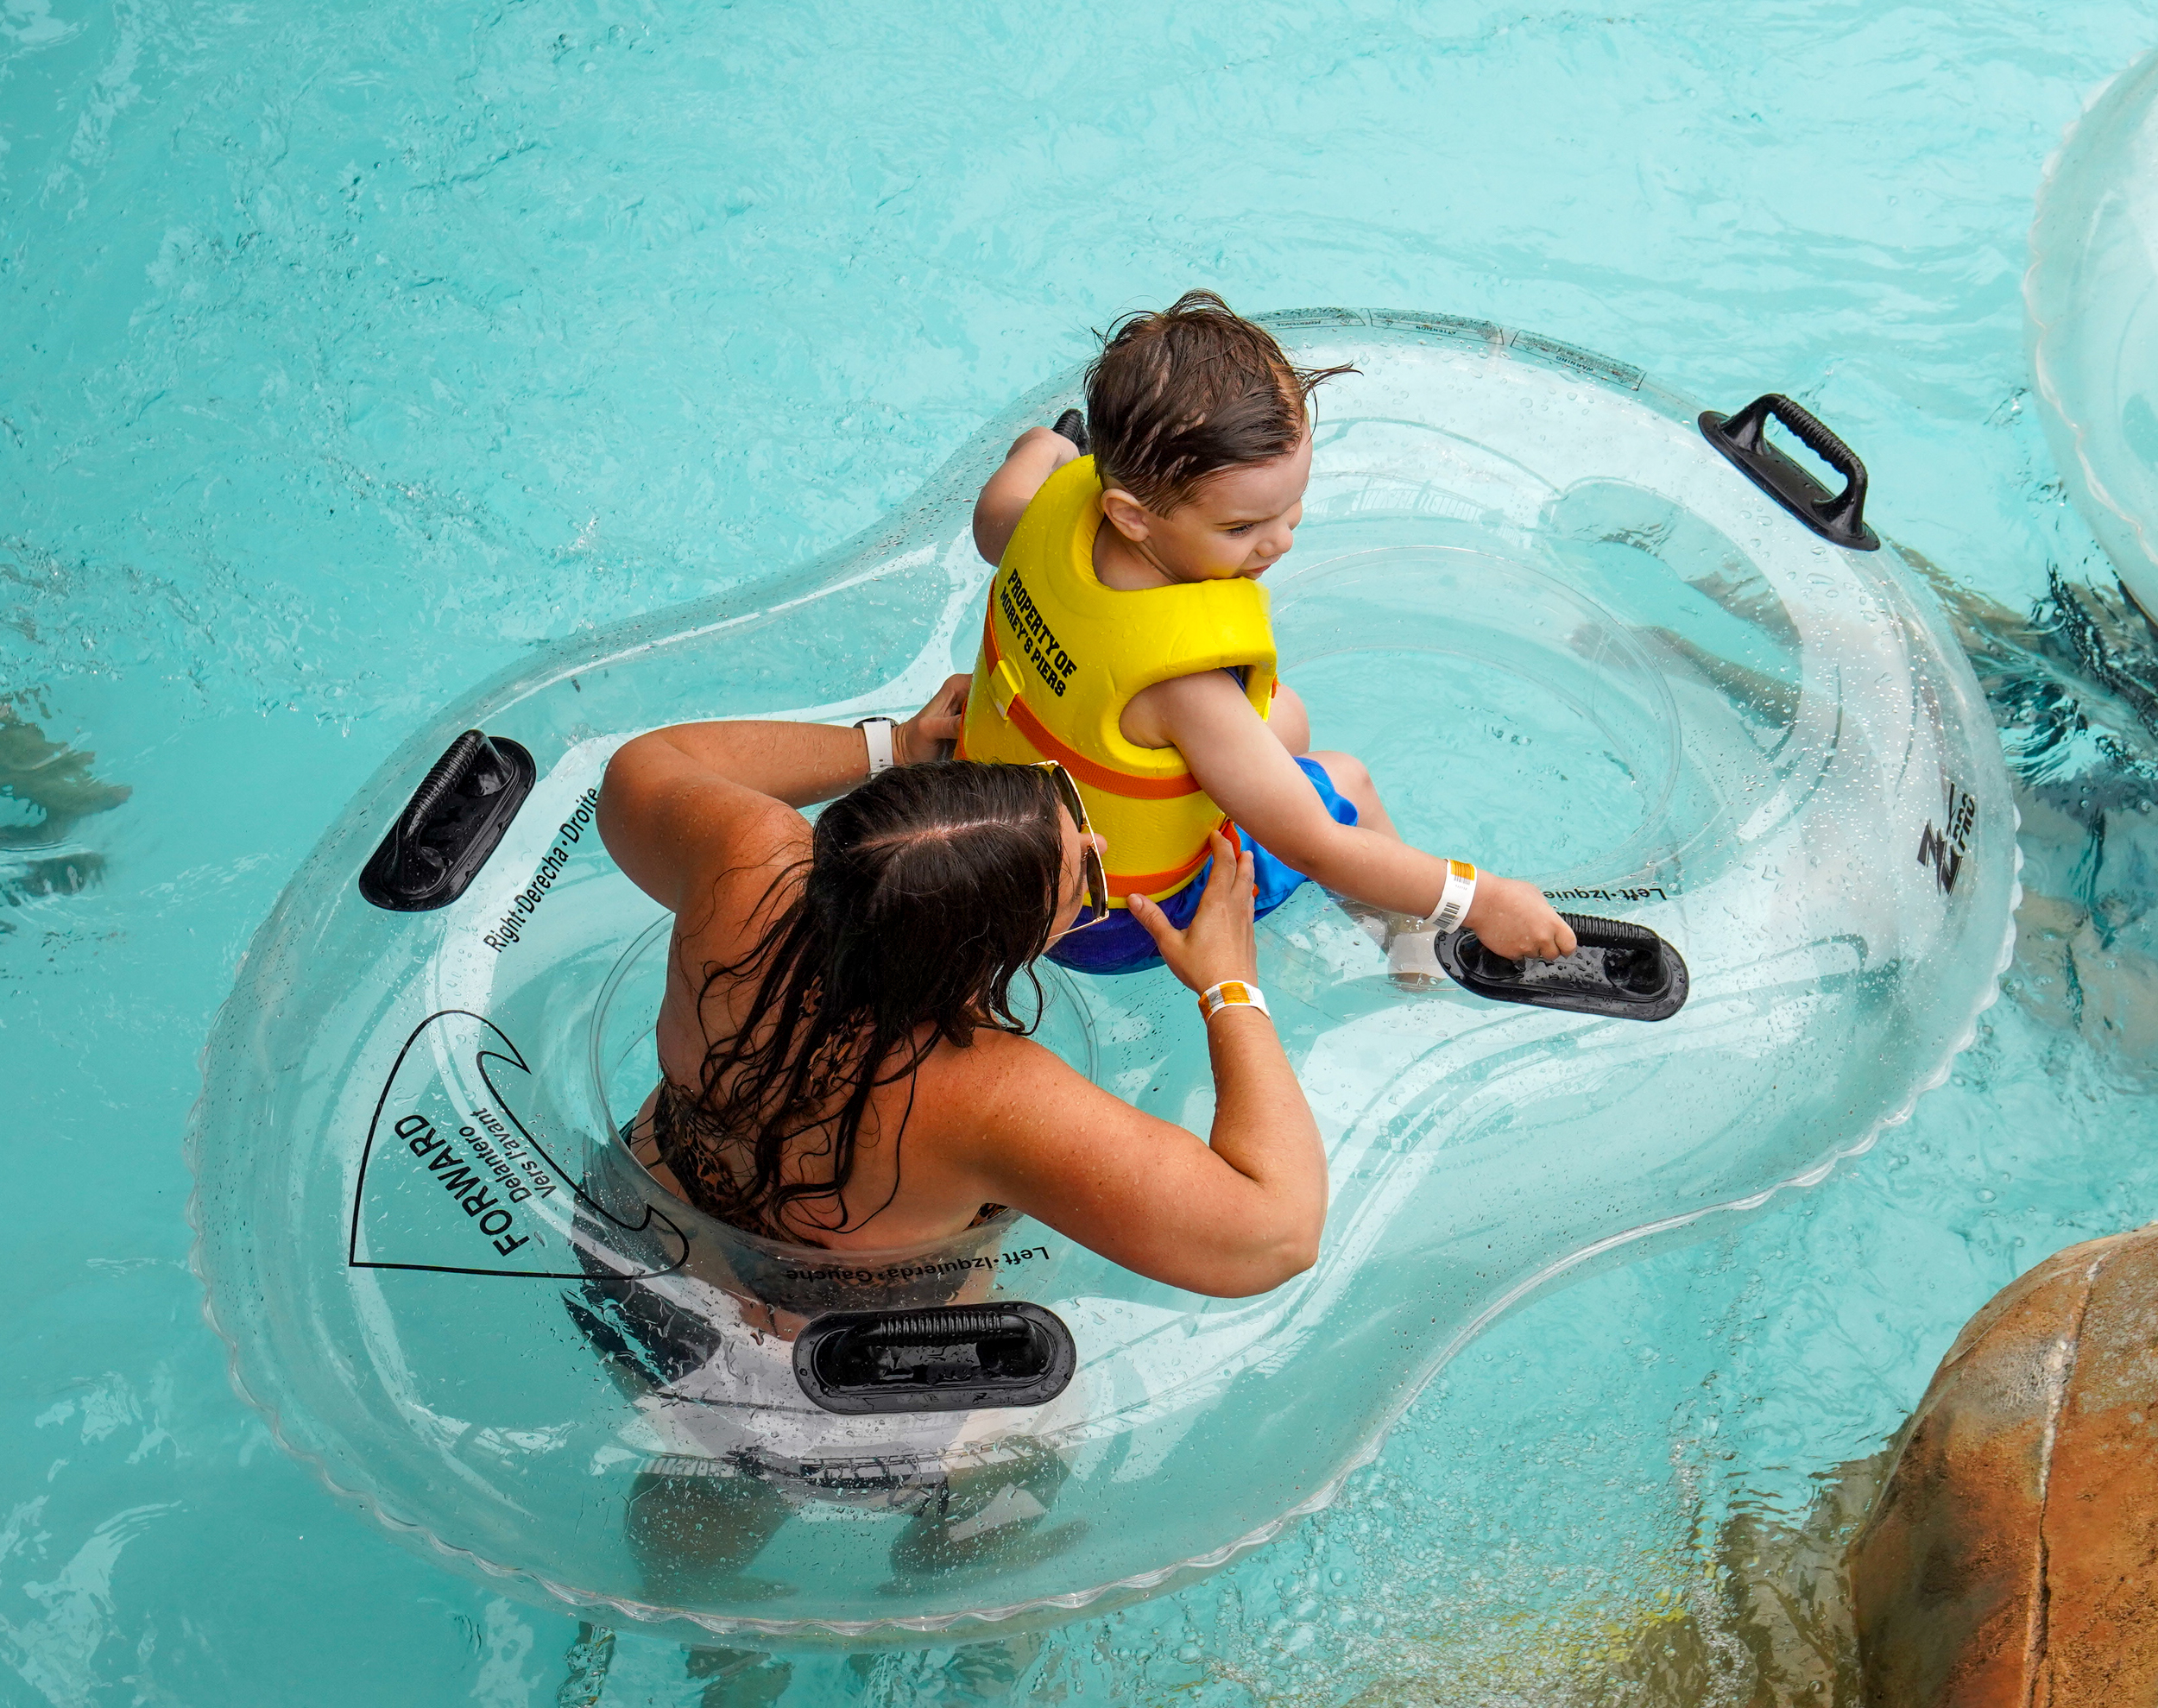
(44, 788)
(52, 779)
(2012, 1557)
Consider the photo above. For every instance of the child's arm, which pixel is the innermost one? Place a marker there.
(1290, 722)
(1035, 455)
(1248, 771)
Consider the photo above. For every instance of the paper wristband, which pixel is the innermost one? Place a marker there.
(1233, 993)
(1455, 898)
(877, 732)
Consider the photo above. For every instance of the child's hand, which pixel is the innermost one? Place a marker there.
(1219, 943)
(1512, 919)
(929, 732)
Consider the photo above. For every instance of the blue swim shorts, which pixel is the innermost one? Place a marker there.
(1119, 943)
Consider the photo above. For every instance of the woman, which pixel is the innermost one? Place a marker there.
(844, 1064)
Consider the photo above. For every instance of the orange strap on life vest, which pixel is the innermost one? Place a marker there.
(1146, 883)
(1151, 881)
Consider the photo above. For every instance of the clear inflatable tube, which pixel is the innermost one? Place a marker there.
(2091, 298)
(1565, 633)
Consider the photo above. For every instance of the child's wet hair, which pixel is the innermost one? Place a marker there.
(1178, 396)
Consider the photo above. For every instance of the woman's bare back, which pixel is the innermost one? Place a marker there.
(705, 818)
(899, 1191)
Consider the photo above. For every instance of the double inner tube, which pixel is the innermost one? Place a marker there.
(1571, 636)
(2090, 298)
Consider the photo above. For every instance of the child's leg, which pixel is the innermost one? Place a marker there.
(1411, 947)
(1353, 784)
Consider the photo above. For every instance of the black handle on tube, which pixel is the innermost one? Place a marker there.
(450, 826)
(1743, 438)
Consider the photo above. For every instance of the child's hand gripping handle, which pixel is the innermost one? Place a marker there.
(1513, 919)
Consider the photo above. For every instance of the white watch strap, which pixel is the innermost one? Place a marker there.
(1455, 900)
(877, 732)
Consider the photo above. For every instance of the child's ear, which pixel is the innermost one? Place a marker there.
(1126, 513)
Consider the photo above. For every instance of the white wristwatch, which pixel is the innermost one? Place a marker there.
(877, 732)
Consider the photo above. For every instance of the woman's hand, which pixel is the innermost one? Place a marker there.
(1219, 943)
(929, 735)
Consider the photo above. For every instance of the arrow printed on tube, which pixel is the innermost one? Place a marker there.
(451, 1180)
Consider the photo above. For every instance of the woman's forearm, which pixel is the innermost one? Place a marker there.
(1264, 1130)
(801, 764)
(798, 763)
(1253, 1216)
(675, 799)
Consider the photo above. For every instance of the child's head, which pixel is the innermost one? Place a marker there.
(1201, 431)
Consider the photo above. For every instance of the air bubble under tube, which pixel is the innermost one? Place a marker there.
(1571, 640)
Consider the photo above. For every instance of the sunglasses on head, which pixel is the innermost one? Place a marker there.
(1090, 866)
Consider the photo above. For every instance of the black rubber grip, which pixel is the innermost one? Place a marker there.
(1073, 425)
(1814, 435)
(1846, 510)
(1594, 932)
(931, 1330)
(1617, 969)
(449, 772)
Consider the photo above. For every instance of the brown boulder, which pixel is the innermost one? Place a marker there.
(2012, 1558)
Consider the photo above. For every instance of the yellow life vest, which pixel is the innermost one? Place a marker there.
(1063, 655)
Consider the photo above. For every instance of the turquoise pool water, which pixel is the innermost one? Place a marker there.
(351, 351)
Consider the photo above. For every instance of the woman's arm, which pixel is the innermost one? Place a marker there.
(1036, 454)
(682, 804)
(1234, 1218)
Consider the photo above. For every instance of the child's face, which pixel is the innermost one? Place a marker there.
(1238, 523)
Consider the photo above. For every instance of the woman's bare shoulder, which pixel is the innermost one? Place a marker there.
(1001, 1087)
(993, 1062)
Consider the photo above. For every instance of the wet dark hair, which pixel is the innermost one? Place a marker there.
(1181, 395)
(929, 890)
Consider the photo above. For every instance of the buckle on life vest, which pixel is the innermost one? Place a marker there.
(1004, 687)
